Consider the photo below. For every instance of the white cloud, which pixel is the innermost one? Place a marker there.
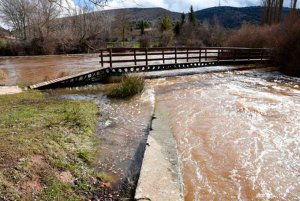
(183, 5)
(114, 4)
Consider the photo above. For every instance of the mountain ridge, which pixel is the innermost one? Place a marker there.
(229, 17)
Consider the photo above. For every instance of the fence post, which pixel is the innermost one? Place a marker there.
(205, 54)
(175, 55)
(261, 54)
(234, 54)
(163, 55)
(187, 55)
(110, 57)
(249, 54)
(134, 56)
(218, 54)
(146, 51)
(200, 55)
(101, 58)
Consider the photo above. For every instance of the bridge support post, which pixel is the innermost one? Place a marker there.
(200, 54)
(234, 54)
(101, 55)
(187, 55)
(175, 55)
(110, 58)
(134, 56)
(146, 51)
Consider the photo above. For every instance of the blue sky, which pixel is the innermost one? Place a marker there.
(183, 5)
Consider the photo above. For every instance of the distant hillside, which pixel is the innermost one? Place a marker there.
(149, 14)
(229, 17)
(232, 17)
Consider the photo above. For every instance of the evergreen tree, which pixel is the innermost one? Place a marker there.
(192, 16)
(166, 23)
(142, 27)
(182, 19)
(177, 29)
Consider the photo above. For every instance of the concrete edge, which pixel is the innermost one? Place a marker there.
(160, 176)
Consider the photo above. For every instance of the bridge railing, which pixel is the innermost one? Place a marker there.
(118, 57)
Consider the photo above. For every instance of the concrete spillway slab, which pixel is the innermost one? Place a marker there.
(160, 178)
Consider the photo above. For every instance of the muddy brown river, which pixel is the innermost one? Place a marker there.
(238, 133)
(27, 70)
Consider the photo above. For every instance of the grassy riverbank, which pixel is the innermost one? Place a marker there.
(47, 148)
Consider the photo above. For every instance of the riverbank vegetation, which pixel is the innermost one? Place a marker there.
(283, 38)
(129, 86)
(47, 148)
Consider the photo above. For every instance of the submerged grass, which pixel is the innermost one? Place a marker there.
(129, 86)
(47, 147)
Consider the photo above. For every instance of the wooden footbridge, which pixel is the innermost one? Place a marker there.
(119, 61)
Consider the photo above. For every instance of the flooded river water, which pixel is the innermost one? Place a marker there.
(32, 69)
(238, 133)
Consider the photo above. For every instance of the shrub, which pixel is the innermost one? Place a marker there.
(194, 35)
(253, 36)
(145, 41)
(128, 87)
(166, 38)
(287, 50)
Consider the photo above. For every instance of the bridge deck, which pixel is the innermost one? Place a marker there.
(131, 62)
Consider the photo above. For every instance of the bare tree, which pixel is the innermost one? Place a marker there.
(15, 14)
(294, 4)
(29, 18)
(272, 11)
(123, 24)
(84, 30)
(59, 24)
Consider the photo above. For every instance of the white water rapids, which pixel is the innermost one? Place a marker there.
(238, 134)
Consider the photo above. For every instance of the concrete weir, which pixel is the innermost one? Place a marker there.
(160, 178)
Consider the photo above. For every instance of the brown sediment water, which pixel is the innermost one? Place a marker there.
(238, 134)
(122, 132)
(33, 69)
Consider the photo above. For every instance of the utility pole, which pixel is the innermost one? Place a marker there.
(219, 3)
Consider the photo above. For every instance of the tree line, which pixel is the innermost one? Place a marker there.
(55, 27)
(273, 10)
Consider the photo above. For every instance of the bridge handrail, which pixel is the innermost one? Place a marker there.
(112, 56)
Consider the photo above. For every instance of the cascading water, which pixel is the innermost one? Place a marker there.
(238, 134)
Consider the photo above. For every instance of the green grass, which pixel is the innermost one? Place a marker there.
(129, 86)
(42, 138)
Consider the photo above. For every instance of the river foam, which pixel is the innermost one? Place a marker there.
(237, 134)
